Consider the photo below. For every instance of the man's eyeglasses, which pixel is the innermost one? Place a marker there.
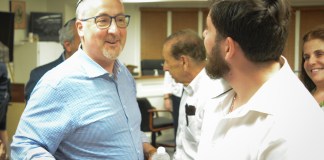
(104, 21)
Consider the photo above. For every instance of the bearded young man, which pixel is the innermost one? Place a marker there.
(268, 114)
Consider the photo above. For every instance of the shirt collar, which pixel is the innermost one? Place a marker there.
(194, 84)
(93, 69)
(263, 100)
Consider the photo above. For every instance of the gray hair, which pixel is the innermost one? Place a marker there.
(187, 42)
(66, 33)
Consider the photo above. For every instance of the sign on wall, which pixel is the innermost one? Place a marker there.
(19, 8)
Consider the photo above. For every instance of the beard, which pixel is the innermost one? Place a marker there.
(216, 66)
(112, 55)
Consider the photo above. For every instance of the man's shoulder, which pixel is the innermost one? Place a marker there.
(2, 65)
(215, 86)
(3, 69)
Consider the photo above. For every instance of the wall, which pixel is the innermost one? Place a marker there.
(34, 6)
(131, 52)
(68, 11)
(4, 5)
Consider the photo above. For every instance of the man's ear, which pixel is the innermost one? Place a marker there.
(67, 46)
(184, 61)
(79, 27)
(229, 48)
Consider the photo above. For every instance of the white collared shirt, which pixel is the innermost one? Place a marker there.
(280, 121)
(196, 93)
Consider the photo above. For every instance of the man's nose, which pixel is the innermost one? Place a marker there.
(113, 26)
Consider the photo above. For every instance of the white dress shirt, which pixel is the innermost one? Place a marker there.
(280, 121)
(196, 93)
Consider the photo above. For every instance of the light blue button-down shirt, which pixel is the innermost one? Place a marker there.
(80, 111)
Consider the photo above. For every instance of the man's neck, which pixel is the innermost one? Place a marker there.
(66, 55)
(247, 81)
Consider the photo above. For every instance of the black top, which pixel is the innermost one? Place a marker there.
(4, 95)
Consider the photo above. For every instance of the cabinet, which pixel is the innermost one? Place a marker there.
(158, 23)
(27, 56)
(152, 88)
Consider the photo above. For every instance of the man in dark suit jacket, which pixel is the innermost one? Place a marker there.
(4, 102)
(70, 41)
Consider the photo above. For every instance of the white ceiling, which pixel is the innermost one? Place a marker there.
(204, 2)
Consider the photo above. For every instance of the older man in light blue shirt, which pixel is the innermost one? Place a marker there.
(86, 108)
(103, 111)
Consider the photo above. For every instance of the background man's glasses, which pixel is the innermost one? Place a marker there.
(104, 21)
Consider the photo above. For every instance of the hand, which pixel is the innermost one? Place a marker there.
(149, 150)
(168, 104)
(151, 155)
(2, 151)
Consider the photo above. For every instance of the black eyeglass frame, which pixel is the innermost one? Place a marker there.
(111, 17)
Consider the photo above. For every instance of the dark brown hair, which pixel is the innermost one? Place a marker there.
(187, 42)
(315, 33)
(260, 27)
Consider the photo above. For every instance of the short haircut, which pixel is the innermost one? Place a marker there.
(260, 27)
(187, 42)
(66, 33)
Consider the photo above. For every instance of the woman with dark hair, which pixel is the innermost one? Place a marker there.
(312, 70)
